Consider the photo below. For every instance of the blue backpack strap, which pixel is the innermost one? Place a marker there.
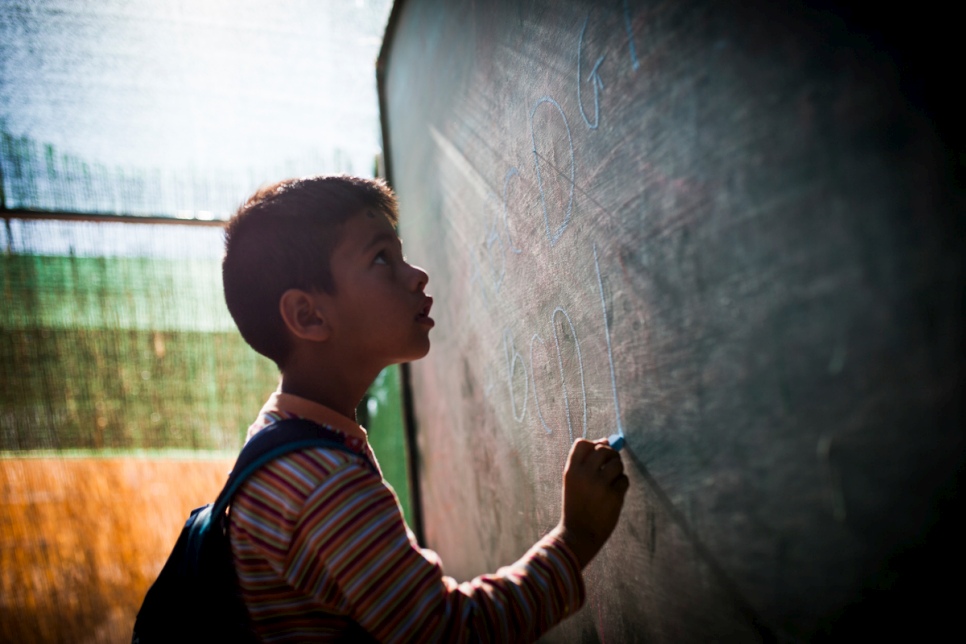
(279, 438)
(196, 595)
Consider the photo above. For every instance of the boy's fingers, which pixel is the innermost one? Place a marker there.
(581, 449)
(612, 469)
(602, 454)
(613, 460)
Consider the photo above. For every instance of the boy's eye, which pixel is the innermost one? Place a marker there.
(381, 258)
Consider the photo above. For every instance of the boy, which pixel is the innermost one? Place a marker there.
(315, 279)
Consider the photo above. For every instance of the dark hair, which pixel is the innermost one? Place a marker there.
(282, 237)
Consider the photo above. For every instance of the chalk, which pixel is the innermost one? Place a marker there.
(616, 441)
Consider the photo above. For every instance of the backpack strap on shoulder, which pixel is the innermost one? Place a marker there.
(196, 597)
(275, 440)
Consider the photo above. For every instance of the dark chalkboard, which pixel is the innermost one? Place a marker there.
(732, 234)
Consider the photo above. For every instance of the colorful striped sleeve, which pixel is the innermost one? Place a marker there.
(350, 549)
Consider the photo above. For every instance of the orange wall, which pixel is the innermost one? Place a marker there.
(81, 539)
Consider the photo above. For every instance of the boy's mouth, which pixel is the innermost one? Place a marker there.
(423, 315)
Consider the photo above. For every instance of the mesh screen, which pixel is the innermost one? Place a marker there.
(116, 336)
(165, 107)
(125, 390)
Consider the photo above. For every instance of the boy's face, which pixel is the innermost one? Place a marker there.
(379, 314)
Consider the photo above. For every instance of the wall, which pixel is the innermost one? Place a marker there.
(731, 234)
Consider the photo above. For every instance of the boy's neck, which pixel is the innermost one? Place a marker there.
(335, 391)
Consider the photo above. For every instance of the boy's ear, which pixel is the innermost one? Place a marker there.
(303, 316)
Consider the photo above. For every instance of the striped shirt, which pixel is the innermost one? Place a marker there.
(322, 551)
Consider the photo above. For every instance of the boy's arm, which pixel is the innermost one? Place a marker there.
(593, 495)
(352, 536)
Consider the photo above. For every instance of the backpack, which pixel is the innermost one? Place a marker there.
(196, 596)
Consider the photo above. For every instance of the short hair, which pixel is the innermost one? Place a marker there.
(282, 237)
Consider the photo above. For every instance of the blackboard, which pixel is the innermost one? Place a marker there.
(732, 234)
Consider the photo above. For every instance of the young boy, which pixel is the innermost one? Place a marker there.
(315, 279)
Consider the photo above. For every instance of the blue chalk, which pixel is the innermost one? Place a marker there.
(616, 441)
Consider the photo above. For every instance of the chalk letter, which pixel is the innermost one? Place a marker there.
(610, 352)
(553, 236)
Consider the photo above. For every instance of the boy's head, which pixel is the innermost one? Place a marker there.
(282, 238)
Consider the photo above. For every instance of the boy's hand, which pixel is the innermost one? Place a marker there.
(593, 494)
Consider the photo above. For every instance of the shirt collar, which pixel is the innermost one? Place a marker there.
(280, 405)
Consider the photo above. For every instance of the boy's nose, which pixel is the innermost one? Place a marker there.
(420, 276)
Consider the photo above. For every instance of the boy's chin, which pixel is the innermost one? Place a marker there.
(416, 354)
(421, 354)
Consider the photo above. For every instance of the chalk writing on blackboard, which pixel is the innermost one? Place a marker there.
(630, 37)
(512, 356)
(563, 381)
(610, 351)
(593, 78)
(494, 245)
(580, 364)
(554, 235)
(514, 361)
